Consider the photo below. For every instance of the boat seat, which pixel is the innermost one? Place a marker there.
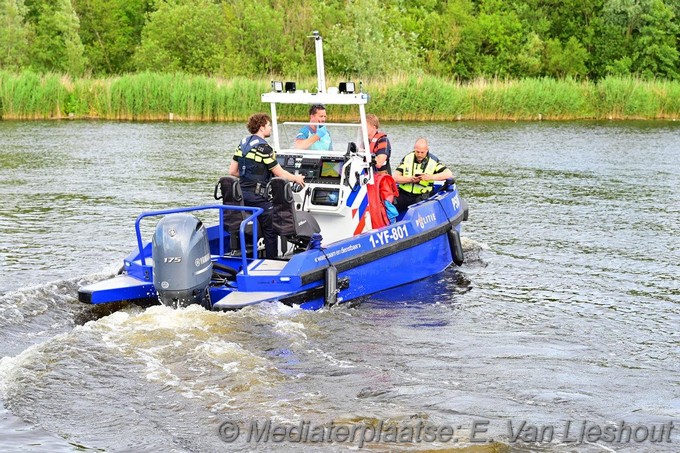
(297, 227)
(231, 195)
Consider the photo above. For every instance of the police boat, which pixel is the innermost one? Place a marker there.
(337, 243)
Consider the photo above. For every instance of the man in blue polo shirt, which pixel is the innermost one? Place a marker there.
(315, 135)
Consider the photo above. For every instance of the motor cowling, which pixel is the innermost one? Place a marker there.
(182, 266)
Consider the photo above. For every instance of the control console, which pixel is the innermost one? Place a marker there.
(316, 169)
(323, 175)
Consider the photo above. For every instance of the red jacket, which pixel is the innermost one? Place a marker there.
(383, 188)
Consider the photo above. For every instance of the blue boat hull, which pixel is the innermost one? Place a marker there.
(421, 244)
(395, 269)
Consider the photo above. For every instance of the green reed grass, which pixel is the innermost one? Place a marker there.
(631, 98)
(32, 96)
(155, 96)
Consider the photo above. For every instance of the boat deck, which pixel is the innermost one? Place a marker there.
(239, 299)
(266, 267)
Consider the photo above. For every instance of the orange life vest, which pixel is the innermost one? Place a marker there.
(375, 147)
(381, 146)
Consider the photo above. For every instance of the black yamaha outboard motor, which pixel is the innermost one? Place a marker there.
(182, 267)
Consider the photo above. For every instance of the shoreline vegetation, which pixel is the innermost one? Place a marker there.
(151, 96)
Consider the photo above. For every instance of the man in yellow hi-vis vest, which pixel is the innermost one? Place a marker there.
(416, 175)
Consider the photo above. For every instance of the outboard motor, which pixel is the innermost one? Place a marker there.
(182, 268)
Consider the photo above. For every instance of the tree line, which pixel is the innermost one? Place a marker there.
(460, 39)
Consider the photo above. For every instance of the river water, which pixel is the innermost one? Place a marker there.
(565, 316)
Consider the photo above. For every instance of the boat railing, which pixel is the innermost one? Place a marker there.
(242, 233)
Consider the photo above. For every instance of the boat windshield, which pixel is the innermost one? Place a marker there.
(341, 134)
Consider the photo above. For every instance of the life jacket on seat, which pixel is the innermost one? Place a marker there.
(383, 189)
(295, 226)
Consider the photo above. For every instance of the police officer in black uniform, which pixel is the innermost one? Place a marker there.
(254, 163)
